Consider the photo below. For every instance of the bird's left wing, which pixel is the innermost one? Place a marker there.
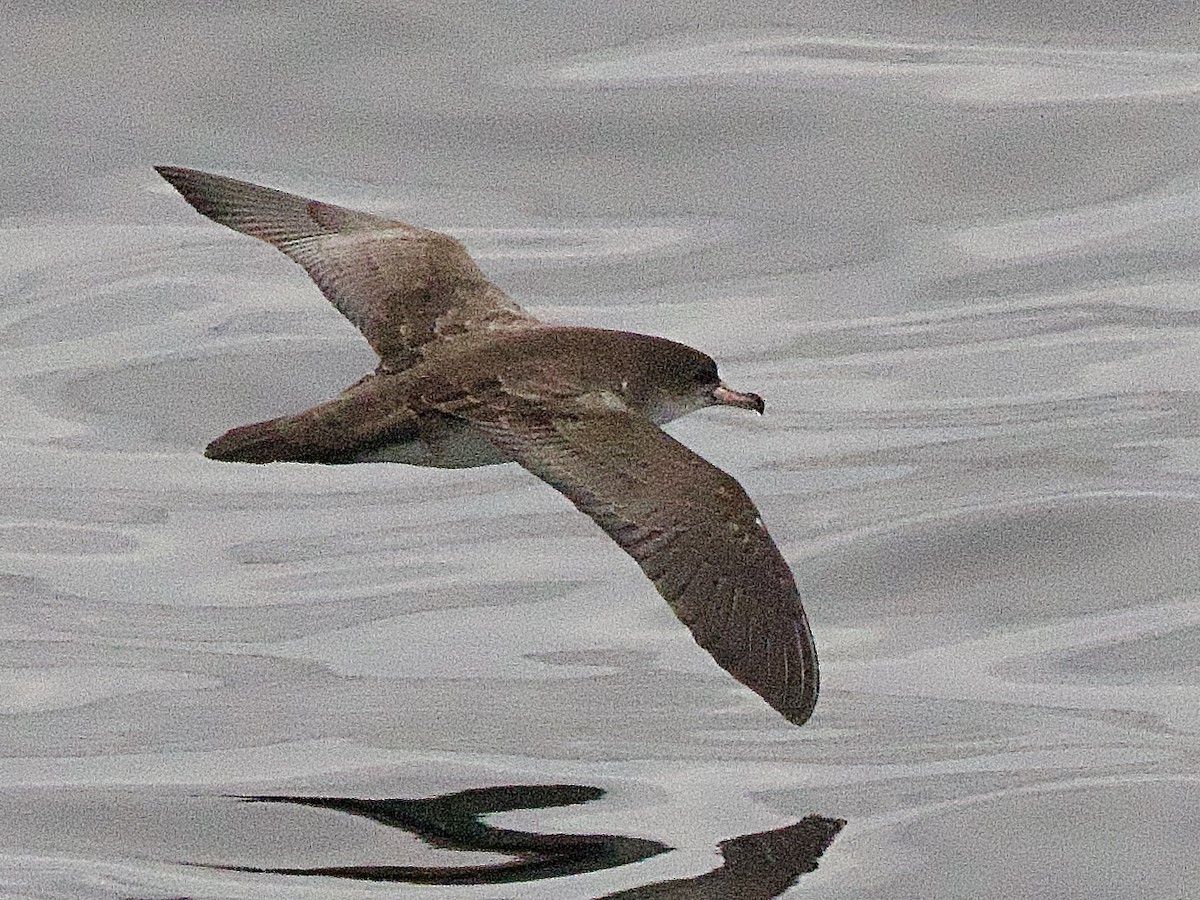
(690, 526)
(401, 285)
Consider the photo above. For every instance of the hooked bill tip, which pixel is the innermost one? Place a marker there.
(726, 396)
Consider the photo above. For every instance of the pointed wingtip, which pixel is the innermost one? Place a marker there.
(172, 173)
(800, 714)
(189, 182)
(798, 700)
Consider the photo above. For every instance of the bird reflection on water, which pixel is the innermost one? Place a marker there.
(759, 865)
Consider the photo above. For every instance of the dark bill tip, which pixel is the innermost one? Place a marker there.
(725, 396)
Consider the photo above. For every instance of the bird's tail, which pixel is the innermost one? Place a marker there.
(338, 431)
(262, 442)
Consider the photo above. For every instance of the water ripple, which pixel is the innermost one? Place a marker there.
(957, 72)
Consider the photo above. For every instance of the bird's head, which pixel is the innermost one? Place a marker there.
(687, 380)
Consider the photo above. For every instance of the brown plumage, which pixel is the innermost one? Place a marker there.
(468, 378)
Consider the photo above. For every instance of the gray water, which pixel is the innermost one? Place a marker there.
(956, 248)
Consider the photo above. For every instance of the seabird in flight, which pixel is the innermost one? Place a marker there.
(466, 378)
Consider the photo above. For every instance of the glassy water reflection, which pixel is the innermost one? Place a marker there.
(955, 250)
(760, 865)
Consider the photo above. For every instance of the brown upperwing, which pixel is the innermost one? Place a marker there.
(691, 528)
(401, 285)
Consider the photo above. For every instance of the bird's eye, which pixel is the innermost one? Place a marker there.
(707, 373)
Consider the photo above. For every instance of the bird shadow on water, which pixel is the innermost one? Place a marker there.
(758, 865)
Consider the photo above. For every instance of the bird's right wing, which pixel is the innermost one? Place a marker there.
(691, 527)
(401, 285)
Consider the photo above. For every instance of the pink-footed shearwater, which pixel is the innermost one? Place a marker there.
(467, 378)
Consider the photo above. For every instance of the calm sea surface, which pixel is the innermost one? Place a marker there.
(957, 251)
